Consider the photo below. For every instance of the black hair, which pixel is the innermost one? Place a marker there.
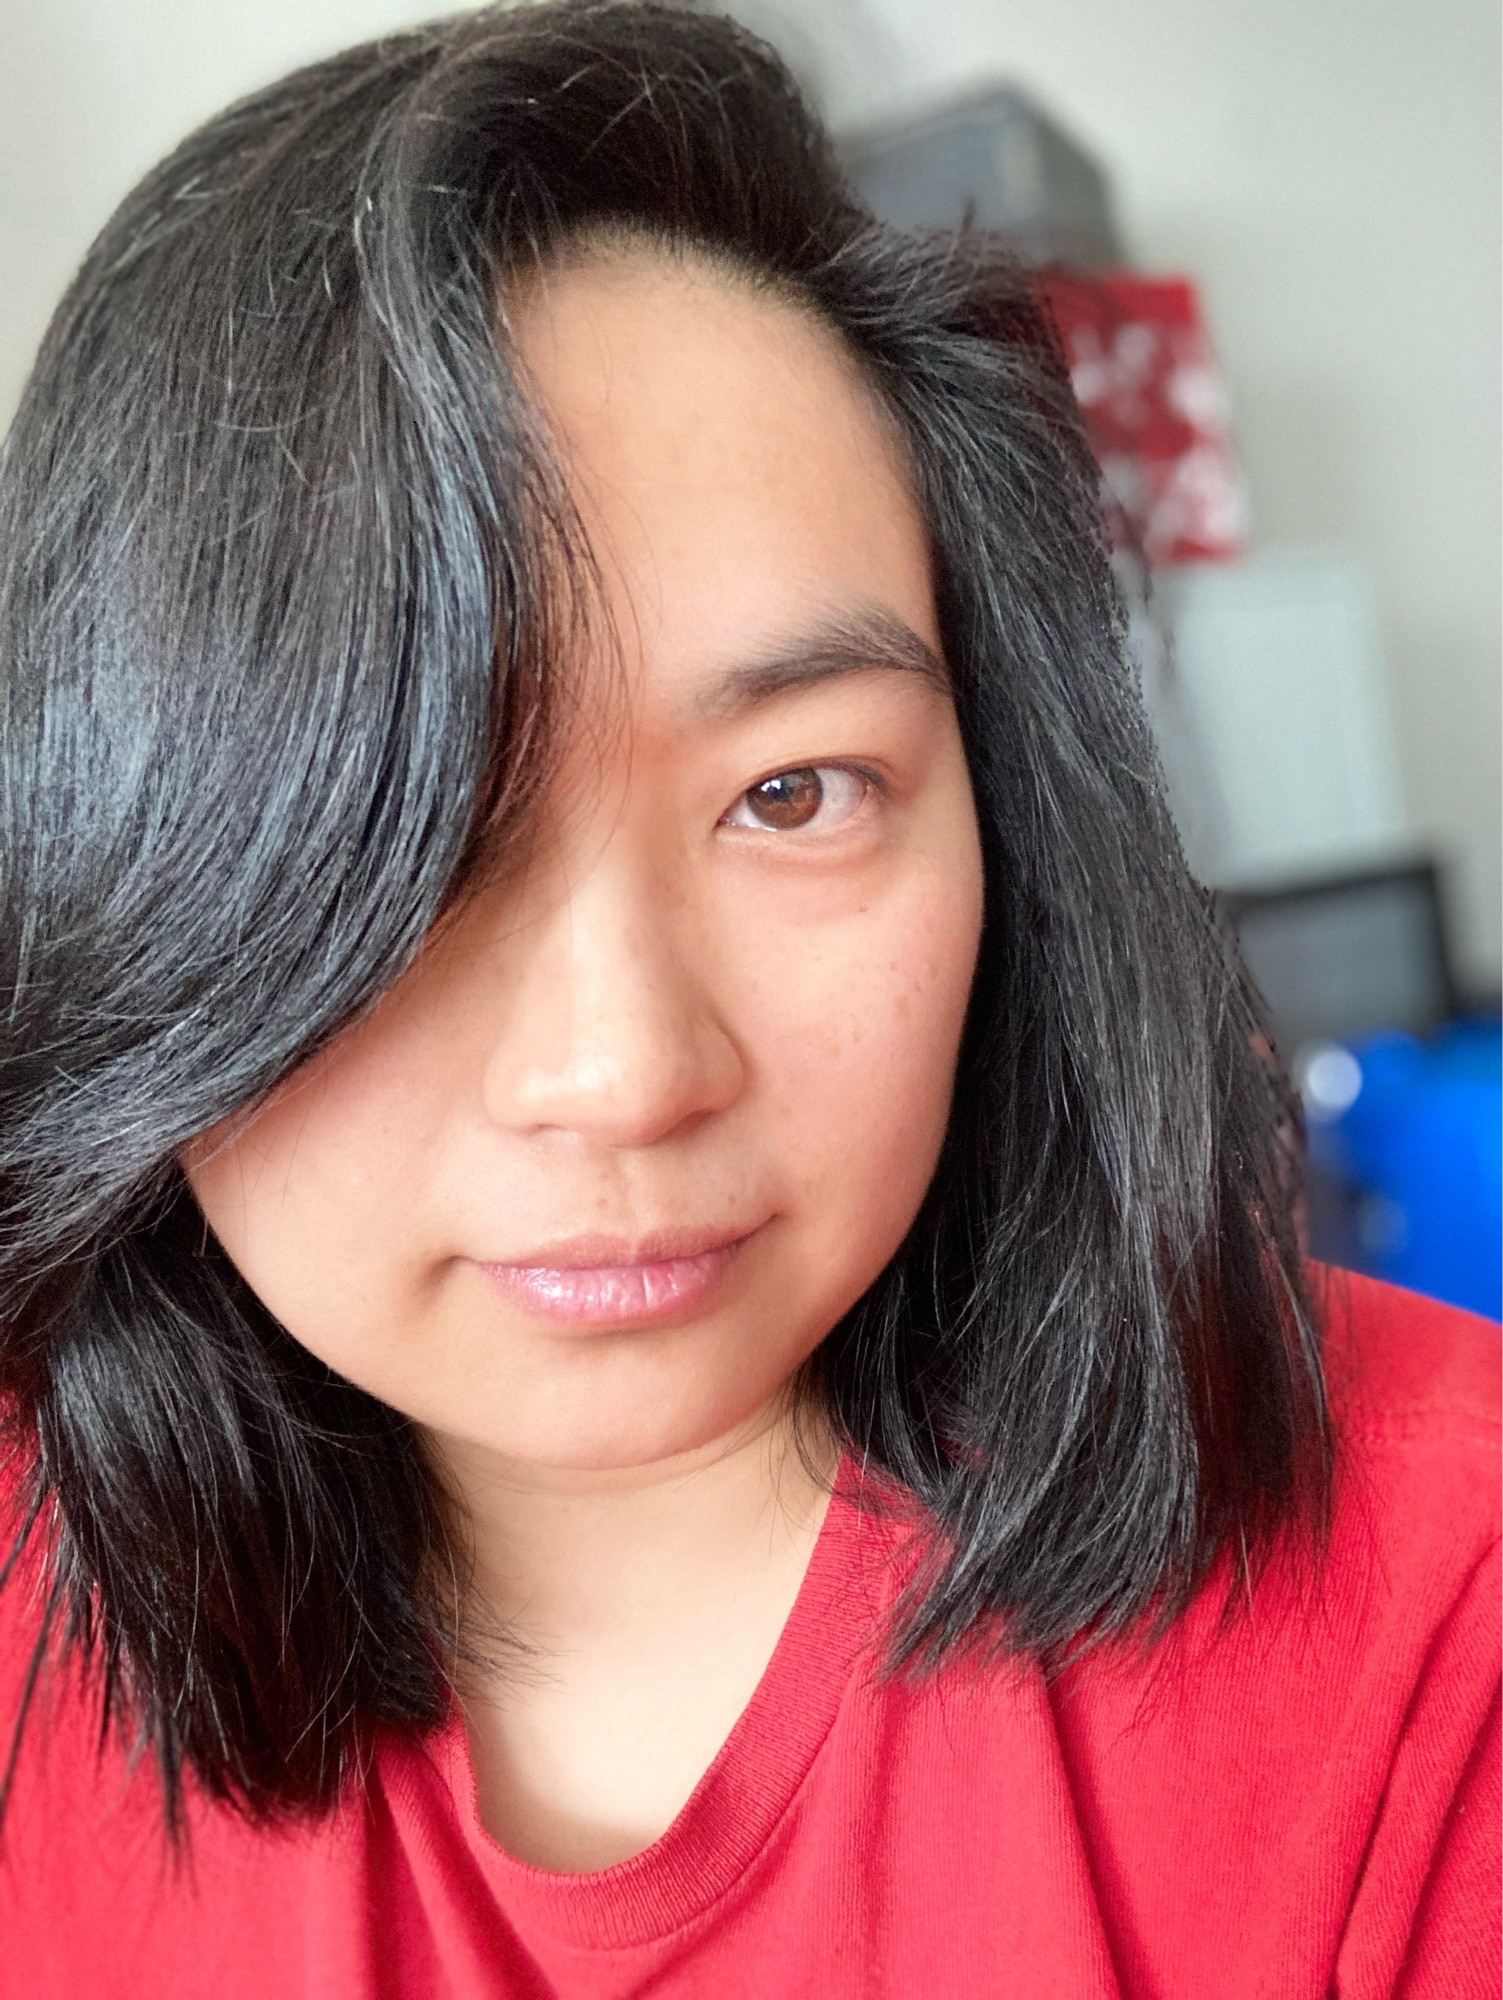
(286, 580)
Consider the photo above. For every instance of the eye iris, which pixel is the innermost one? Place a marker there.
(790, 799)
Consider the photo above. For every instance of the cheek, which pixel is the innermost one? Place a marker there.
(312, 1200)
(857, 1044)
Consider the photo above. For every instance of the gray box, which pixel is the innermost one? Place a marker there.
(996, 158)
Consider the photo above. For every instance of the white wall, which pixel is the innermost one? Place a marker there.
(1329, 168)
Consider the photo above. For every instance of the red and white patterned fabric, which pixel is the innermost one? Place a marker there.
(1156, 411)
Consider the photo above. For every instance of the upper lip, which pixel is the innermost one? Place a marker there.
(602, 1252)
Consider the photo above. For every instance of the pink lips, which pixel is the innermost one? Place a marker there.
(606, 1281)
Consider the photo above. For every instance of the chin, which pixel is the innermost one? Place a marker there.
(622, 1433)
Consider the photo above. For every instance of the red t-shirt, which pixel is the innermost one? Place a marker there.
(1304, 1803)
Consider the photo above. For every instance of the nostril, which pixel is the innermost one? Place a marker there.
(624, 1071)
(619, 1106)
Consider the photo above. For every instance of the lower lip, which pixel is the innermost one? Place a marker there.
(615, 1294)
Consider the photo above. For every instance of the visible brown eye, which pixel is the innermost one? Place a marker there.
(790, 799)
(820, 797)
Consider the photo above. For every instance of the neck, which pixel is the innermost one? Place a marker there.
(564, 1554)
(647, 1601)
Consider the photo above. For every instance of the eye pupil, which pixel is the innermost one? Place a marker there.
(790, 799)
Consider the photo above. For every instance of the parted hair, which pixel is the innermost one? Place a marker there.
(288, 582)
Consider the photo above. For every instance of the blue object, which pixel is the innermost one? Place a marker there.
(1419, 1148)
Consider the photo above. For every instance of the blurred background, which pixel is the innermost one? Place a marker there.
(1271, 240)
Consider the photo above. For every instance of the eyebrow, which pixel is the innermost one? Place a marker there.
(852, 642)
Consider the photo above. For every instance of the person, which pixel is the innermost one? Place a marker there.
(654, 1337)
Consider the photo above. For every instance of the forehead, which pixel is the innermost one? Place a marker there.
(734, 469)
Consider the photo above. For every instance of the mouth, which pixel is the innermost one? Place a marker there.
(614, 1281)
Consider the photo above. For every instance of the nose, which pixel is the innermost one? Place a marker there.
(613, 1032)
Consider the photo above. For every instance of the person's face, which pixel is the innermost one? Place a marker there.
(611, 1158)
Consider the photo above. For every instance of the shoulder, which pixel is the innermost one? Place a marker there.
(1414, 1391)
(1310, 1744)
(1337, 1633)
(1407, 1368)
